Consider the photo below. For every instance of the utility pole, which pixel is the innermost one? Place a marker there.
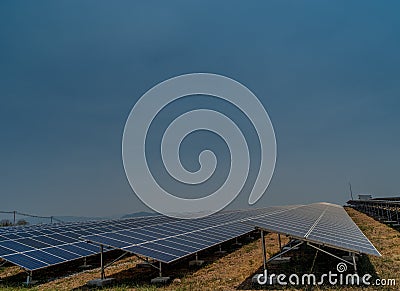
(351, 191)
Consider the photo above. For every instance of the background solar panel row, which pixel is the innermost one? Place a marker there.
(322, 223)
(170, 241)
(39, 246)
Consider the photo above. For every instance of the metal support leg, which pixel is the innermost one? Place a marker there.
(264, 251)
(29, 278)
(354, 263)
(101, 262)
(280, 243)
(197, 257)
(160, 270)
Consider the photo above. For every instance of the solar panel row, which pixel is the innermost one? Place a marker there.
(321, 223)
(166, 239)
(174, 240)
(39, 246)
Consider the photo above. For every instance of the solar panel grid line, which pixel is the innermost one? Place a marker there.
(187, 238)
(342, 240)
(24, 255)
(178, 246)
(350, 236)
(315, 223)
(290, 226)
(263, 215)
(26, 262)
(184, 241)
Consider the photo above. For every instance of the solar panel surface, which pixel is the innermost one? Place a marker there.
(166, 239)
(39, 246)
(320, 223)
(173, 240)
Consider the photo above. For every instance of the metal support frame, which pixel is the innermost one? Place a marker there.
(354, 263)
(280, 243)
(328, 253)
(160, 269)
(264, 251)
(147, 261)
(102, 263)
(29, 278)
(285, 251)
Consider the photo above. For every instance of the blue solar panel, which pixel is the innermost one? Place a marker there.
(11, 236)
(32, 243)
(184, 247)
(163, 257)
(5, 251)
(62, 242)
(62, 253)
(2, 238)
(48, 240)
(172, 240)
(125, 238)
(25, 261)
(76, 250)
(320, 223)
(45, 257)
(15, 246)
(87, 246)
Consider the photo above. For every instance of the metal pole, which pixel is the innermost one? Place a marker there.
(197, 257)
(51, 219)
(14, 216)
(264, 251)
(101, 262)
(160, 270)
(354, 263)
(280, 244)
(29, 278)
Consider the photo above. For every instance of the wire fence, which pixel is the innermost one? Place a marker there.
(15, 214)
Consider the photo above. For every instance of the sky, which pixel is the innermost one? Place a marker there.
(327, 72)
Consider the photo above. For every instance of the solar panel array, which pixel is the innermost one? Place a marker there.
(321, 223)
(40, 246)
(167, 239)
(171, 241)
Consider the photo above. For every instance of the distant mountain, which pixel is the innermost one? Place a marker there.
(139, 214)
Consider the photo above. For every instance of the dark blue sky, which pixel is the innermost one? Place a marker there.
(70, 72)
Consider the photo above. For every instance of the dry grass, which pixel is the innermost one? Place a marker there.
(386, 240)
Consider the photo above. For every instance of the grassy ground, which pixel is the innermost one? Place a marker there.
(234, 270)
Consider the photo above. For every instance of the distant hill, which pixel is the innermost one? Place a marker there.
(139, 214)
(57, 219)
